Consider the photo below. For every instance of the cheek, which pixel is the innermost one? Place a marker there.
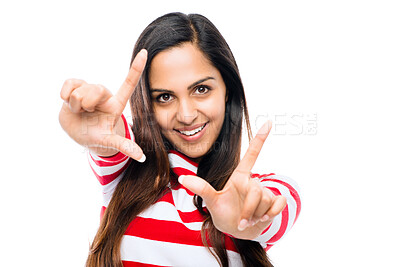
(162, 118)
(217, 113)
(221, 116)
(216, 109)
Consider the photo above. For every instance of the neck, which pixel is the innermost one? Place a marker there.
(196, 160)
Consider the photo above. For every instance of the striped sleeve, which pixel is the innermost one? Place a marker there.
(110, 170)
(281, 224)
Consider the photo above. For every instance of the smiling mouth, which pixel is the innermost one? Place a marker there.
(192, 132)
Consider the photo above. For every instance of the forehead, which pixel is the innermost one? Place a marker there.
(179, 67)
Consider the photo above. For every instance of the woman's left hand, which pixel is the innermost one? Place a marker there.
(243, 208)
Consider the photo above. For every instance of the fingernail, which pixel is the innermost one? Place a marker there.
(264, 218)
(180, 179)
(142, 159)
(242, 225)
(143, 52)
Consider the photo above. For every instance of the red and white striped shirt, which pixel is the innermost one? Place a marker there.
(168, 232)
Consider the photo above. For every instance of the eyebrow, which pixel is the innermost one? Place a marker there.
(189, 87)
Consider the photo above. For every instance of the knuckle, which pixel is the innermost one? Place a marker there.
(87, 105)
(252, 153)
(65, 89)
(256, 190)
(136, 66)
(76, 95)
(63, 95)
(273, 211)
(130, 82)
(203, 191)
(246, 214)
(260, 137)
(266, 199)
(101, 89)
(68, 82)
(279, 206)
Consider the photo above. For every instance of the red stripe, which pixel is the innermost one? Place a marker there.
(268, 247)
(293, 193)
(167, 231)
(256, 175)
(184, 157)
(127, 133)
(179, 186)
(103, 209)
(138, 264)
(106, 179)
(284, 222)
(194, 216)
(182, 171)
(266, 229)
(167, 197)
(229, 245)
(109, 161)
(186, 217)
(282, 229)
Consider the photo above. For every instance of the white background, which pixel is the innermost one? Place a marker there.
(326, 72)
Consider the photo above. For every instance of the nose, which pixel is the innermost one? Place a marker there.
(187, 112)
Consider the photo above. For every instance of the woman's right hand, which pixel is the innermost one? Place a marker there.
(91, 115)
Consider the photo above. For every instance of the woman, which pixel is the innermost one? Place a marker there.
(175, 190)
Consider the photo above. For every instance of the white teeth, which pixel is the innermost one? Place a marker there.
(193, 132)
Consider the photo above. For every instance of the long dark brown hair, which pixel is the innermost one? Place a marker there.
(144, 183)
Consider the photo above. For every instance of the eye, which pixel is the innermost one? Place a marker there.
(202, 89)
(164, 98)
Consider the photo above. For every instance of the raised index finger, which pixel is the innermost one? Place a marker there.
(249, 159)
(126, 89)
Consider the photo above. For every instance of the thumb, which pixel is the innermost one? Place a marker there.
(126, 146)
(199, 186)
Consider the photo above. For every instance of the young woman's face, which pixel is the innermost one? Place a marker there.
(188, 96)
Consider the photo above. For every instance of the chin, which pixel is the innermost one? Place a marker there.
(195, 152)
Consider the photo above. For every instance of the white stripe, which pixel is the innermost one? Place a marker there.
(177, 161)
(108, 189)
(291, 203)
(167, 212)
(285, 179)
(105, 170)
(183, 201)
(274, 228)
(169, 254)
(104, 159)
(292, 206)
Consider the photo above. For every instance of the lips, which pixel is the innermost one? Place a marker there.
(192, 133)
(189, 131)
